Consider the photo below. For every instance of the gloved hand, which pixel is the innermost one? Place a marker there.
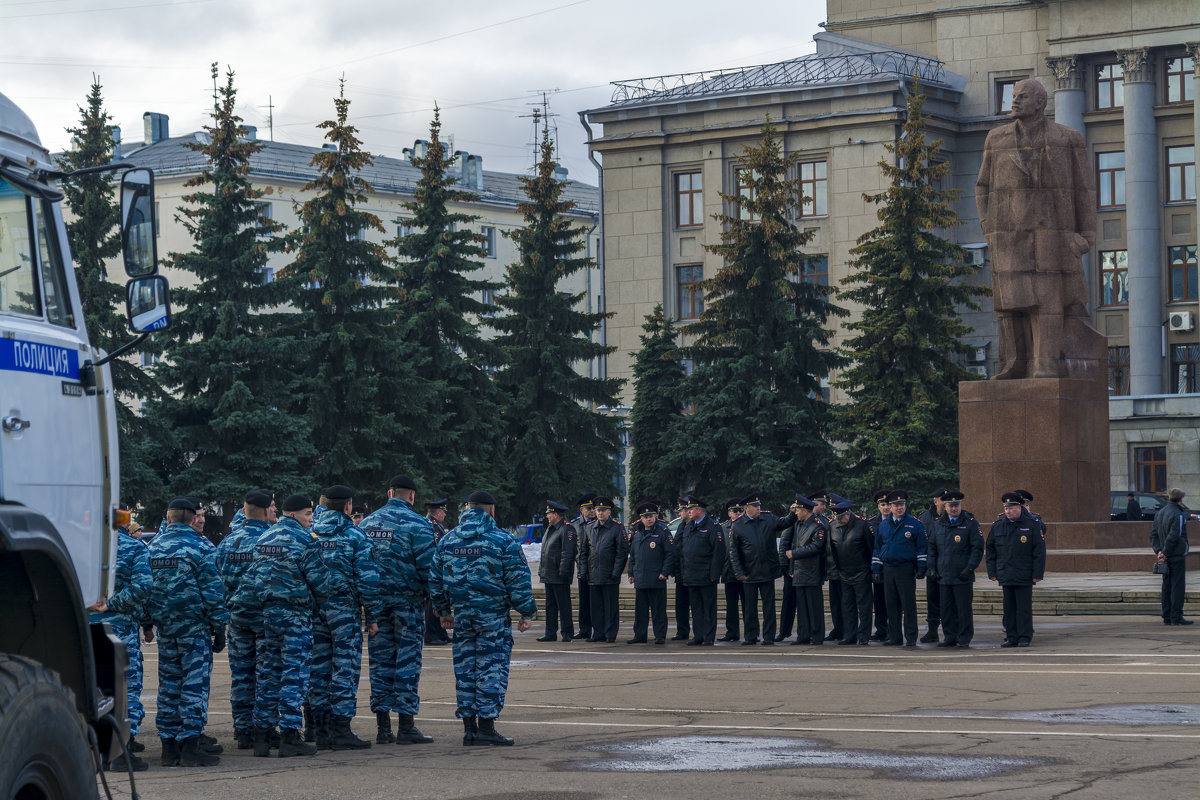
(920, 574)
(876, 577)
(218, 639)
(965, 575)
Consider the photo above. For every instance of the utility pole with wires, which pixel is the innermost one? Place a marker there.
(542, 116)
(270, 107)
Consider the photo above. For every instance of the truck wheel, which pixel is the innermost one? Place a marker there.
(45, 749)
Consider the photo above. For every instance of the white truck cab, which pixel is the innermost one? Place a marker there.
(62, 680)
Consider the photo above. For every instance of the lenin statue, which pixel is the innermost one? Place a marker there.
(1036, 200)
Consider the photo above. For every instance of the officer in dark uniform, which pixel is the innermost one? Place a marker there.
(734, 593)
(435, 512)
(649, 548)
(802, 555)
(955, 550)
(900, 558)
(587, 515)
(881, 631)
(851, 543)
(697, 558)
(756, 563)
(603, 554)
(683, 630)
(825, 500)
(556, 570)
(1016, 558)
(933, 597)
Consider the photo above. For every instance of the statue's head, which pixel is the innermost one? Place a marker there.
(1029, 99)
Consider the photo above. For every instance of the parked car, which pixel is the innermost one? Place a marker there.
(1150, 504)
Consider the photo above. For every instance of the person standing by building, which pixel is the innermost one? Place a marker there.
(1016, 559)
(955, 550)
(587, 515)
(603, 554)
(1168, 537)
(556, 569)
(478, 574)
(735, 595)
(435, 512)
(697, 558)
(1133, 509)
(756, 563)
(802, 555)
(933, 597)
(900, 559)
(850, 546)
(402, 546)
(649, 546)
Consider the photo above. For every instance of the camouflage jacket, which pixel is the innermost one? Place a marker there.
(345, 553)
(402, 546)
(187, 597)
(133, 583)
(235, 556)
(479, 572)
(287, 571)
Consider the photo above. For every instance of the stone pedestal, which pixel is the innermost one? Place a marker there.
(1049, 436)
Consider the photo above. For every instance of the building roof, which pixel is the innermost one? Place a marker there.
(386, 176)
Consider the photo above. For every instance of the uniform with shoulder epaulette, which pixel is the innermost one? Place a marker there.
(955, 550)
(649, 548)
(734, 593)
(697, 558)
(802, 555)
(851, 543)
(556, 569)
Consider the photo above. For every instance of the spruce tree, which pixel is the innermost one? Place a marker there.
(357, 395)
(557, 441)
(441, 300)
(94, 235)
(230, 374)
(657, 410)
(900, 423)
(761, 345)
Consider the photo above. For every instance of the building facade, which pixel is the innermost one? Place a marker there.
(1123, 72)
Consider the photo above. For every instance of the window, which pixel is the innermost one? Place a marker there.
(816, 270)
(1110, 180)
(18, 282)
(266, 275)
(406, 228)
(1179, 79)
(691, 297)
(489, 241)
(488, 298)
(1182, 261)
(689, 200)
(157, 218)
(689, 366)
(149, 359)
(745, 191)
(1110, 86)
(1185, 358)
(54, 281)
(266, 213)
(1118, 370)
(1181, 173)
(1004, 94)
(813, 182)
(1150, 468)
(1114, 277)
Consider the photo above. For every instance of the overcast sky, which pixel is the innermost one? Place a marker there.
(482, 61)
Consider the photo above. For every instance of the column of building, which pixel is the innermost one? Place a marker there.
(1193, 51)
(1142, 213)
(1068, 91)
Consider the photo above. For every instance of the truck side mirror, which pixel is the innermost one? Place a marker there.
(138, 241)
(147, 303)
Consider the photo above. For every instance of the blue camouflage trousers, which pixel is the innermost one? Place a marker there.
(184, 668)
(337, 660)
(482, 649)
(395, 656)
(283, 664)
(245, 645)
(130, 634)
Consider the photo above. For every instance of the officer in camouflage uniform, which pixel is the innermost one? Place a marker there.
(345, 553)
(235, 554)
(132, 588)
(435, 512)
(188, 607)
(402, 545)
(478, 574)
(291, 583)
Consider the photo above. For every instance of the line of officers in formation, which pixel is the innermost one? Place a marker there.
(871, 566)
(289, 591)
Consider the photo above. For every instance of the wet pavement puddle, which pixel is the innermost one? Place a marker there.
(725, 753)
(1153, 714)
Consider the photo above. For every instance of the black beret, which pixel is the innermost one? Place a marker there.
(801, 500)
(257, 497)
(182, 504)
(338, 492)
(879, 496)
(897, 496)
(1026, 496)
(586, 499)
(296, 502)
(402, 482)
(649, 507)
(1012, 499)
(952, 497)
(481, 498)
(557, 508)
(600, 501)
(442, 503)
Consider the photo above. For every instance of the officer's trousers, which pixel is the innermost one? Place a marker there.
(1173, 586)
(246, 643)
(1018, 613)
(880, 597)
(810, 614)
(735, 597)
(757, 591)
(605, 617)
(558, 611)
(856, 611)
(703, 602)
(787, 608)
(482, 649)
(336, 660)
(394, 653)
(837, 631)
(682, 599)
(130, 634)
(900, 589)
(933, 604)
(585, 609)
(184, 666)
(958, 621)
(650, 605)
(283, 668)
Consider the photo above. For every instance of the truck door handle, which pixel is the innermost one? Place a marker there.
(15, 424)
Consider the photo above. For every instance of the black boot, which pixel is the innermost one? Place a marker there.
(245, 739)
(135, 746)
(273, 738)
(407, 733)
(262, 742)
(487, 734)
(310, 724)
(321, 720)
(291, 743)
(383, 733)
(341, 737)
(470, 731)
(122, 763)
(210, 745)
(170, 753)
(192, 754)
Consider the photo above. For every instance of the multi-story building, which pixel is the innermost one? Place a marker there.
(1123, 72)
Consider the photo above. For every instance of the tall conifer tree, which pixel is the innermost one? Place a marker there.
(230, 374)
(441, 299)
(358, 394)
(557, 441)
(900, 424)
(657, 410)
(95, 243)
(761, 344)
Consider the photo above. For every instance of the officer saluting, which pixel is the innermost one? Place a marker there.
(1016, 558)
(649, 545)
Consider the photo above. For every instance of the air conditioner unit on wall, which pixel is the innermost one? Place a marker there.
(1181, 321)
(979, 370)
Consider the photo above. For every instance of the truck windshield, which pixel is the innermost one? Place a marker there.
(29, 247)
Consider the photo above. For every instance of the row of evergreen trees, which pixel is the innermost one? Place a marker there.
(751, 414)
(383, 370)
